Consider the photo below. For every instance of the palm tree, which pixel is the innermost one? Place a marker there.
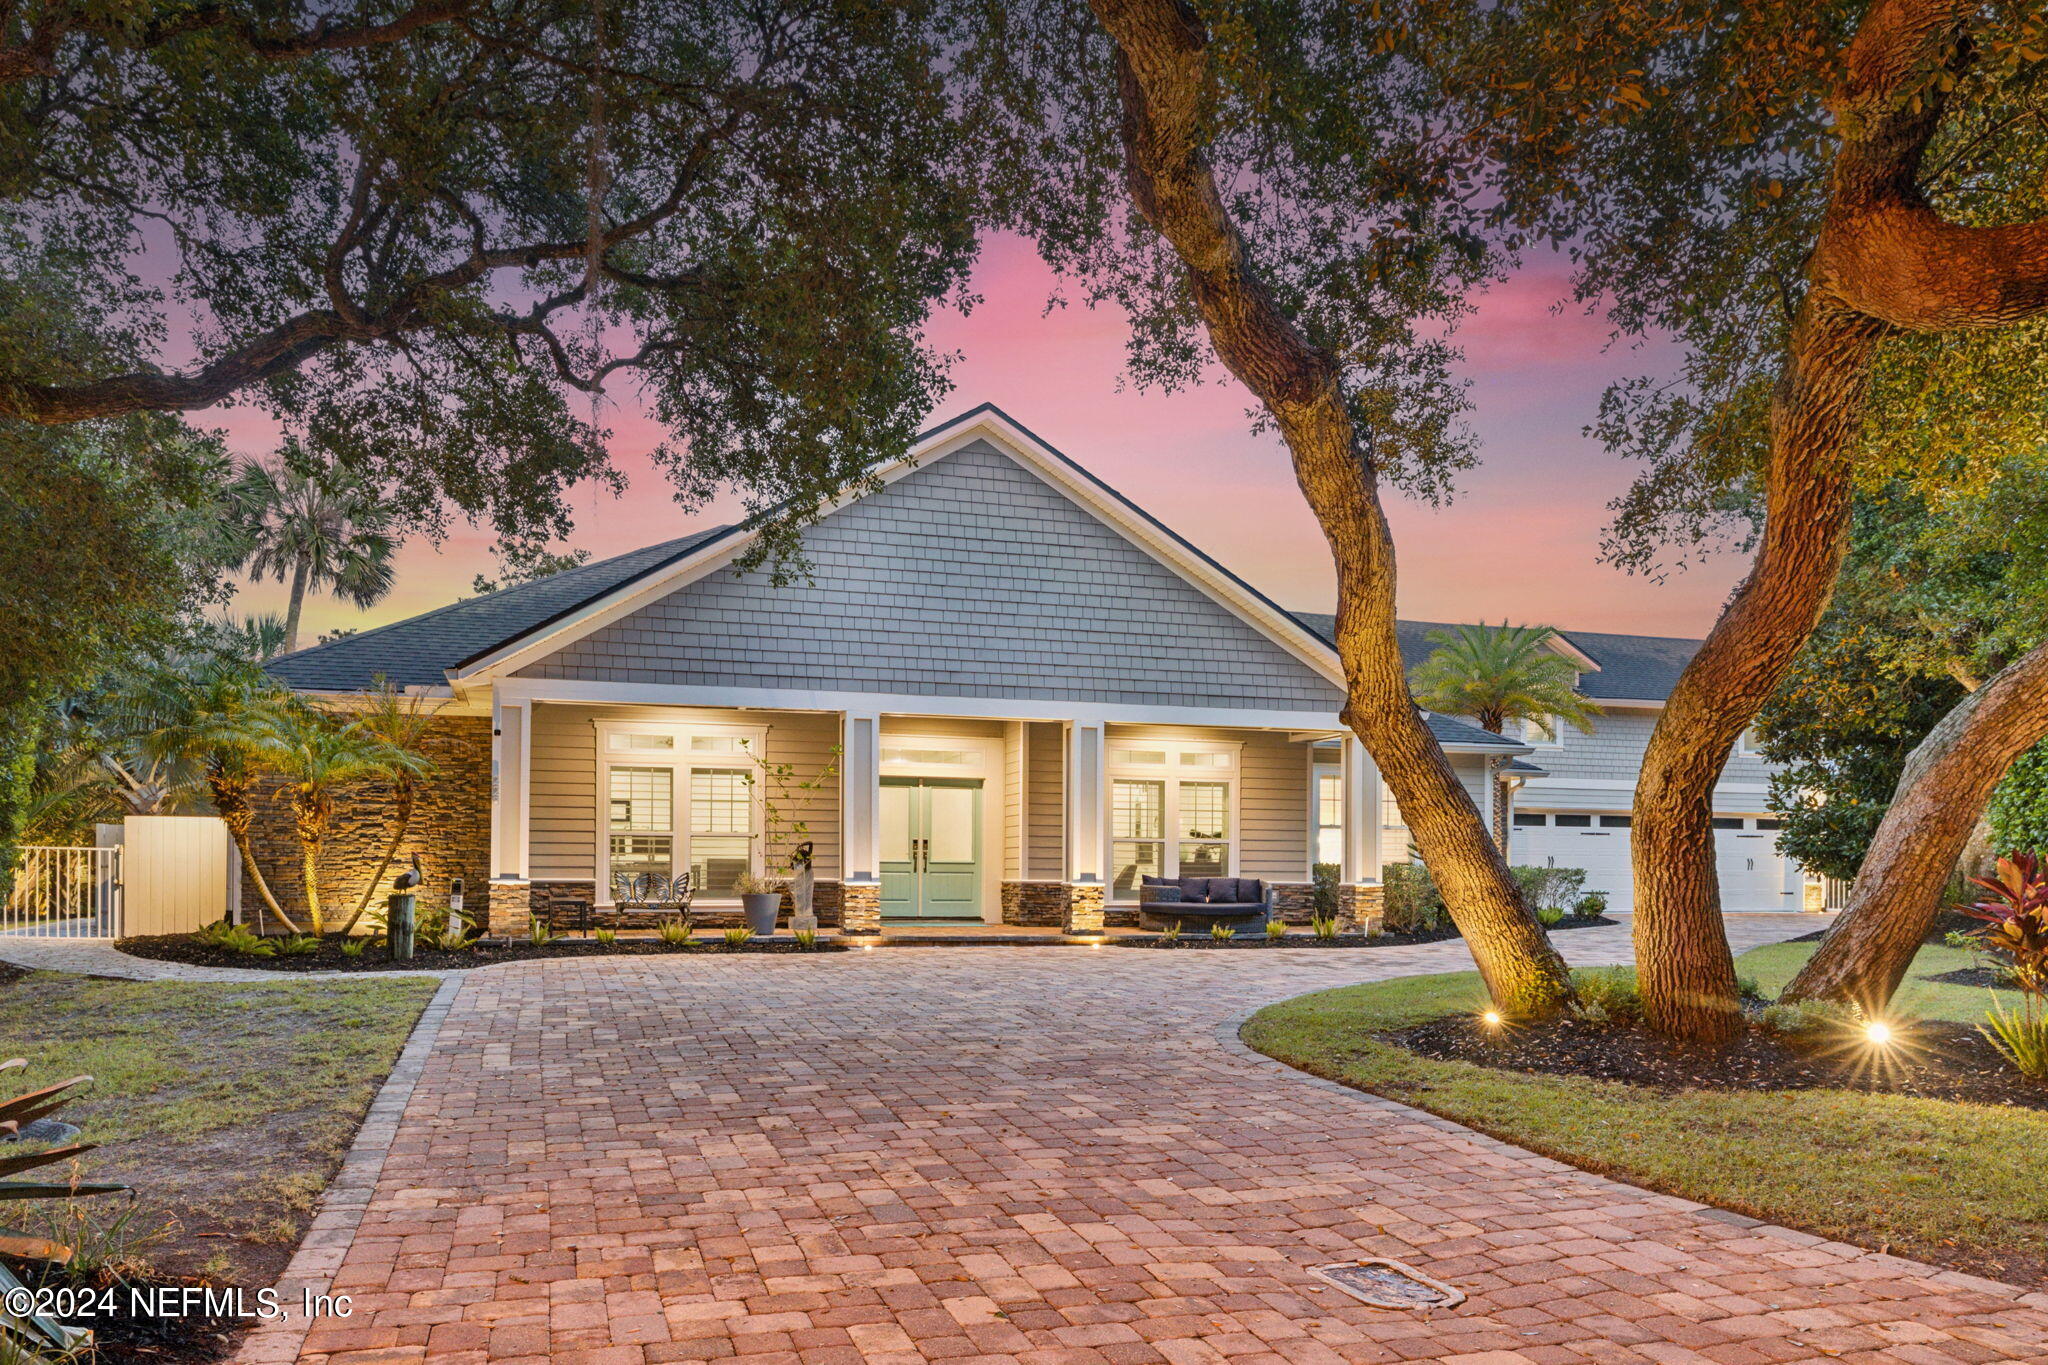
(402, 722)
(1496, 674)
(319, 528)
(206, 713)
(316, 753)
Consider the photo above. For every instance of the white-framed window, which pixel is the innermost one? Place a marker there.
(678, 797)
(1532, 733)
(1172, 811)
(1748, 744)
(1329, 814)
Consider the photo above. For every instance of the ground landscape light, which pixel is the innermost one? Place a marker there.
(1878, 1032)
(1491, 1018)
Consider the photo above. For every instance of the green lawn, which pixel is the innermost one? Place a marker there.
(1950, 1183)
(1918, 997)
(227, 1106)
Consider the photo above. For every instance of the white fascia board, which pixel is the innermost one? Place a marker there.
(591, 692)
(1283, 629)
(1559, 644)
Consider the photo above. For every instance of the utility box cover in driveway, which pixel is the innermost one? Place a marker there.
(177, 873)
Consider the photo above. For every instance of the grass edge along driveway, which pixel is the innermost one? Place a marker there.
(228, 1106)
(1959, 1185)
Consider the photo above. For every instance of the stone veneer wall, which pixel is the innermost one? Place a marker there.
(825, 904)
(1361, 908)
(1042, 904)
(450, 830)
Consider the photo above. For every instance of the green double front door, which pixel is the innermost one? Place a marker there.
(931, 848)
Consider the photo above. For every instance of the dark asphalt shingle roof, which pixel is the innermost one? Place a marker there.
(1449, 730)
(1632, 667)
(419, 651)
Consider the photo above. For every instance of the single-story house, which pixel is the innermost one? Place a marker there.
(1011, 694)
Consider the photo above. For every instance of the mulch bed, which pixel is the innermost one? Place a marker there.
(120, 1338)
(1935, 1060)
(1301, 938)
(330, 958)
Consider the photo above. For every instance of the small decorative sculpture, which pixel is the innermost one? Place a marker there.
(408, 879)
(399, 919)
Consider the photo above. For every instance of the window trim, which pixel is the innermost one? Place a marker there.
(680, 761)
(1533, 737)
(1172, 773)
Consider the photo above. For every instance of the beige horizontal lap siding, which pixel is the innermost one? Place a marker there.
(1045, 796)
(564, 777)
(1013, 800)
(1272, 800)
(941, 727)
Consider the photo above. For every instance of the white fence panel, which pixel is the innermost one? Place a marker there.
(64, 892)
(179, 873)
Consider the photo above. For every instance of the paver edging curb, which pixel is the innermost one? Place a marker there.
(333, 1229)
(1228, 1035)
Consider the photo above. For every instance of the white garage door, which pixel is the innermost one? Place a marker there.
(1753, 872)
(1597, 843)
(1754, 875)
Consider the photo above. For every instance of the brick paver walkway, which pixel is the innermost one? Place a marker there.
(1054, 1155)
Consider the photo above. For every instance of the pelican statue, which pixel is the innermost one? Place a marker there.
(411, 877)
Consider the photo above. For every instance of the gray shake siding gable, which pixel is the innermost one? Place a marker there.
(969, 577)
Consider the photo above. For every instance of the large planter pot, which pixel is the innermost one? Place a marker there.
(762, 911)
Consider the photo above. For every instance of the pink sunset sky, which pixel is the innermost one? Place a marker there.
(1521, 539)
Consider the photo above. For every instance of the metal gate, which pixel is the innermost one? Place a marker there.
(63, 892)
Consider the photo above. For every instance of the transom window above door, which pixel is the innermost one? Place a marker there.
(1173, 812)
(679, 798)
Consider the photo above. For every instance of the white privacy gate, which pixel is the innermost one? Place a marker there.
(64, 892)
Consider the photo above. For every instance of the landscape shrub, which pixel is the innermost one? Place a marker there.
(1608, 995)
(1413, 905)
(1325, 877)
(1806, 1018)
(1545, 888)
(1592, 905)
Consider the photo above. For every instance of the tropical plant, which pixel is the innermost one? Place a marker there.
(2016, 919)
(2021, 1036)
(1324, 927)
(1550, 916)
(32, 1332)
(354, 947)
(538, 933)
(806, 939)
(1276, 930)
(673, 930)
(1222, 933)
(605, 937)
(298, 945)
(318, 527)
(210, 712)
(1497, 674)
(237, 939)
(737, 936)
(404, 722)
(1170, 935)
(316, 754)
(452, 940)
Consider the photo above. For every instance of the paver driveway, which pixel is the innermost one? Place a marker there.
(1047, 1155)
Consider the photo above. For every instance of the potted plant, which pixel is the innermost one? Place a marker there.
(785, 833)
(762, 899)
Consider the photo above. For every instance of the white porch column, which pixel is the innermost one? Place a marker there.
(1086, 797)
(1361, 815)
(860, 821)
(1087, 837)
(511, 760)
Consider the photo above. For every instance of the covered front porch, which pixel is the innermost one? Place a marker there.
(932, 813)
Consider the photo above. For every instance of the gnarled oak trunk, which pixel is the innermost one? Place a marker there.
(1883, 262)
(1940, 796)
(1164, 90)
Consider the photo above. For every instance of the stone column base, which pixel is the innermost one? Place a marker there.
(510, 911)
(1292, 902)
(1361, 907)
(1035, 903)
(1084, 908)
(860, 907)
